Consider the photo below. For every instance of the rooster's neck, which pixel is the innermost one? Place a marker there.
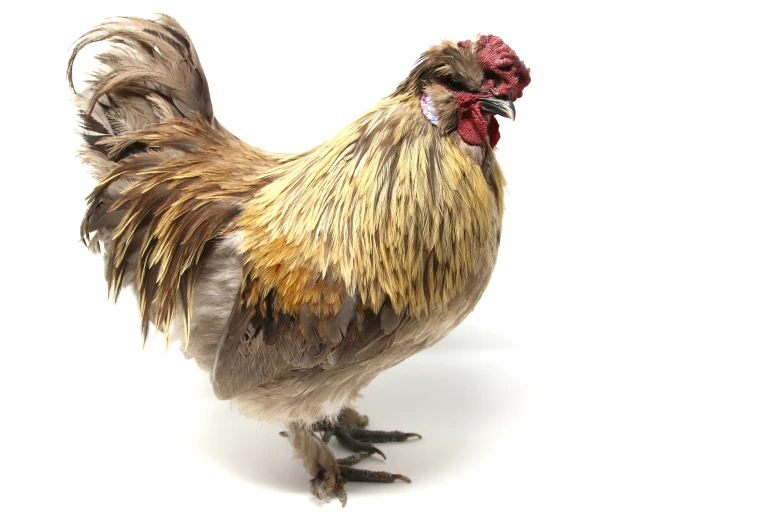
(389, 209)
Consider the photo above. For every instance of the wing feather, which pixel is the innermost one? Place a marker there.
(262, 344)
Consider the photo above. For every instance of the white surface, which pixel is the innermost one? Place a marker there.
(625, 363)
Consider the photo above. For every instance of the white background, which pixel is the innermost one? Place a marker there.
(625, 363)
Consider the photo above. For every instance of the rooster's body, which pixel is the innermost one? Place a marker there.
(295, 279)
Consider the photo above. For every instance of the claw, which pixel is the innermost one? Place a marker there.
(403, 478)
(377, 451)
(341, 495)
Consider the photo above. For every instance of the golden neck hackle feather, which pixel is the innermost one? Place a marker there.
(379, 210)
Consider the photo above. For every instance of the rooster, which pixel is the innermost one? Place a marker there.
(295, 279)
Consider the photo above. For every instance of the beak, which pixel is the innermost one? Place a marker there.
(499, 106)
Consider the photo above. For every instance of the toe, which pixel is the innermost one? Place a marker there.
(352, 459)
(382, 436)
(366, 475)
(358, 446)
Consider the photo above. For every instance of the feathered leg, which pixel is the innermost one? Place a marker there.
(319, 461)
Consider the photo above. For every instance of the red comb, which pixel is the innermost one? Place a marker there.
(494, 55)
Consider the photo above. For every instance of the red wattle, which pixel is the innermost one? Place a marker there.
(494, 131)
(472, 126)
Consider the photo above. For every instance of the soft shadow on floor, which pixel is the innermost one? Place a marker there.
(457, 395)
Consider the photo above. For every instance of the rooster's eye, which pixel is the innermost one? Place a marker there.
(454, 85)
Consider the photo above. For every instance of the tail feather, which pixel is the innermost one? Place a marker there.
(171, 179)
(150, 73)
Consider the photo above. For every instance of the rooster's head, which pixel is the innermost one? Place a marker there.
(463, 86)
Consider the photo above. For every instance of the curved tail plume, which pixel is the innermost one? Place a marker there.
(150, 73)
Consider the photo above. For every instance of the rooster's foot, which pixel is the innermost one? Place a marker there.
(330, 473)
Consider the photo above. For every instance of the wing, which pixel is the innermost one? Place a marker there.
(262, 342)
